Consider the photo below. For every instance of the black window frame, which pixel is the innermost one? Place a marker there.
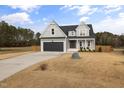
(52, 31)
(80, 43)
(88, 43)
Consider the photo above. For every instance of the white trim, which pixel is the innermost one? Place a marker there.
(49, 26)
(81, 38)
(65, 40)
(54, 40)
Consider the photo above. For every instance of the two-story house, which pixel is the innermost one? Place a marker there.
(67, 38)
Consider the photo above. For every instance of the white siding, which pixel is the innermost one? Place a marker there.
(82, 28)
(57, 31)
(71, 33)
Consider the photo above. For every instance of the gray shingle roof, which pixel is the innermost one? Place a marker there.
(65, 29)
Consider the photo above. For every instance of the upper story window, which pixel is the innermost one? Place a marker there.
(82, 33)
(71, 33)
(52, 31)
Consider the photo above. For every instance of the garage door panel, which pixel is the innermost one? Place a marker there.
(53, 46)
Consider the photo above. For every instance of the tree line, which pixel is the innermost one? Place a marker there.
(107, 38)
(11, 36)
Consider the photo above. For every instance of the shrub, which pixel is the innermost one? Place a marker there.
(84, 49)
(100, 49)
(81, 49)
(90, 50)
(43, 67)
(93, 50)
(123, 52)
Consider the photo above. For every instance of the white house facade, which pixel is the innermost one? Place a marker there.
(57, 38)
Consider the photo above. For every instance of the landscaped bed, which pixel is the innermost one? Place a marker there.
(93, 69)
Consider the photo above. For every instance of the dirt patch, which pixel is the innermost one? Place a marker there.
(43, 67)
(92, 70)
(119, 63)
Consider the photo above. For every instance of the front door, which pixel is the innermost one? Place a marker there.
(72, 43)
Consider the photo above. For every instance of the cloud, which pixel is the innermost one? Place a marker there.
(20, 18)
(65, 6)
(45, 20)
(81, 11)
(86, 10)
(108, 23)
(121, 15)
(26, 8)
(84, 19)
(114, 25)
(111, 8)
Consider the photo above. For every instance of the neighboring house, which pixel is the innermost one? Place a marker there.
(67, 38)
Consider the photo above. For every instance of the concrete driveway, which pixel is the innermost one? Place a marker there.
(11, 66)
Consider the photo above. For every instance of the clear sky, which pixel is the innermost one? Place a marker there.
(102, 17)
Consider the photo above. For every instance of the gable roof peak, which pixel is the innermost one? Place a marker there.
(82, 23)
(53, 22)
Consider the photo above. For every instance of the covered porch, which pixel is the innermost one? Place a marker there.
(76, 44)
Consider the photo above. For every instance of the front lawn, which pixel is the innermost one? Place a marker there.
(92, 70)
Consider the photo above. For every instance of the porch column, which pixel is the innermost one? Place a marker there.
(85, 43)
(77, 44)
(94, 44)
(91, 44)
(41, 45)
(65, 48)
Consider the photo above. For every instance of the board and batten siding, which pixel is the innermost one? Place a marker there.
(82, 28)
(57, 31)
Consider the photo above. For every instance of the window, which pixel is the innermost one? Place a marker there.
(72, 33)
(81, 34)
(52, 31)
(88, 43)
(80, 43)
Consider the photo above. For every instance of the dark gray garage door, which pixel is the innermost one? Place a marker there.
(53, 46)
